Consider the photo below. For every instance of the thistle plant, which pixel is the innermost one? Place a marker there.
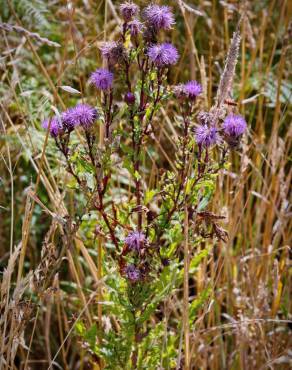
(144, 227)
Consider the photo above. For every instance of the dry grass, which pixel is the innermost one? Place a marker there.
(48, 280)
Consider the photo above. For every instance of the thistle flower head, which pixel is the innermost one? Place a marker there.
(159, 17)
(132, 273)
(113, 51)
(135, 240)
(192, 89)
(107, 47)
(102, 79)
(82, 114)
(189, 90)
(69, 119)
(56, 125)
(162, 55)
(234, 125)
(135, 27)
(128, 10)
(206, 136)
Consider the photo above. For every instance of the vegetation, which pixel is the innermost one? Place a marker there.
(139, 228)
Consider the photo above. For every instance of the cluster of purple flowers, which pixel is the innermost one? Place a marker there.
(233, 128)
(156, 18)
(129, 10)
(160, 55)
(136, 242)
(81, 115)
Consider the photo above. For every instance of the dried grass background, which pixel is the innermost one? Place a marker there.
(45, 283)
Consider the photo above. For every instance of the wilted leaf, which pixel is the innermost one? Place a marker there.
(69, 89)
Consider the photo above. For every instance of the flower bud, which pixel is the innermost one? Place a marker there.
(130, 98)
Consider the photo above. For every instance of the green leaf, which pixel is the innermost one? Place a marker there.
(149, 194)
(203, 203)
(208, 187)
(198, 303)
(153, 75)
(81, 164)
(197, 259)
(148, 112)
(91, 335)
(127, 163)
(161, 289)
(137, 175)
(80, 328)
(72, 183)
(126, 148)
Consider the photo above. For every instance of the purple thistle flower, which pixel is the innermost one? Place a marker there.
(135, 27)
(135, 240)
(107, 47)
(82, 114)
(56, 126)
(206, 136)
(188, 90)
(128, 10)
(234, 125)
(68, 119)
(163, 54)
(102, 79)
(159, 17)
(192, 89)
(132, 273)
(113, 51)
